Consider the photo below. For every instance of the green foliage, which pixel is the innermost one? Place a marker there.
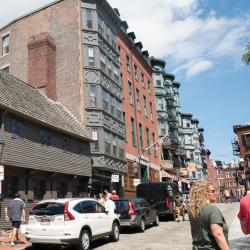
(246, 57)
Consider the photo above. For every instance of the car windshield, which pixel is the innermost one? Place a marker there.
(48, 208)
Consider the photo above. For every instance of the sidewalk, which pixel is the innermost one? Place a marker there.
(5, 243)
(237, 240)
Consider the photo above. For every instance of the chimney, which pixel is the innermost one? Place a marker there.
(124, 26)
(42, 64)
(145, 54)
(131, 36)
(139, 46)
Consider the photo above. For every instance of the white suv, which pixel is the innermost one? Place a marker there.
(71, 221)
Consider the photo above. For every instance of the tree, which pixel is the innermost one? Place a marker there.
(246, 57)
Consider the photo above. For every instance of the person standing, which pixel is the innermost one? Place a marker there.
(244, 213)
(101, 198)
(15, 212)
(180, 211)
(109, 205)
(208, 227)
(113, 196)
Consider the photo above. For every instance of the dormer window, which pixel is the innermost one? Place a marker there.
(5, 44)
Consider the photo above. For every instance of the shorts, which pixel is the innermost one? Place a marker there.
(16, 224)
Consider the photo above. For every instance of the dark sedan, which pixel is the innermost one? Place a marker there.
(136, 213)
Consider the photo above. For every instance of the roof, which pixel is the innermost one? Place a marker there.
(21, 98)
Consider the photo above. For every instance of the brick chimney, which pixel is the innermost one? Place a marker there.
(42, 64)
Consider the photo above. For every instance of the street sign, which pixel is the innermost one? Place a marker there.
(1, 172)
(136, 182)
(115, 178)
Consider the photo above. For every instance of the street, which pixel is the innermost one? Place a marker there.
(171, 235)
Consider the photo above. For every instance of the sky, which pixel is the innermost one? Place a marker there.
(202, 42)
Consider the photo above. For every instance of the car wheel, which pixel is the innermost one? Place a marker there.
(157, 221)
(142, 225)
(115, 232)
(84, 240)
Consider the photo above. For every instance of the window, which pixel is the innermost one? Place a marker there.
(130, 92)
(108, 34)
(161, 103)
(114, 146)
(107, 142)
(162, 126)
(119, 51)
(247, 140)
(17, 128)
(147, 135)
(133, 131)
(194, 174)
(191, 155)
(39, 189)
(89, 17)
(149, 87)
(116, 74)
(153, 137)
(87, 207)
(44, 136)
(218, 172)
(101, 25)
(188, 125)
(102, 61)
(142, 80)
(138, 99)
(128, 63)
(151, 111)
(188, 139)
(141, 137)
(113, 42)
(121, 148)
(66, 143)
(62, 188)
(6, 69)
(112, 105)
(95, 144)
(158, 80)
(135, 72)
(92, 95)
(119, 109)
(91, 58)
(109, 67)
(145, 105)
(105, 100)
(5, 45)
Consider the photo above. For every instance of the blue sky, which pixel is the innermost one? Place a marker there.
(202, 42)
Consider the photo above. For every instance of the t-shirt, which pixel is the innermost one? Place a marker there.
(244, 213)
(200, 228)
(15, 208)
(179, 201)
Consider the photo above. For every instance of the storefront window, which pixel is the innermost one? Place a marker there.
(10, 186)
(39, 189)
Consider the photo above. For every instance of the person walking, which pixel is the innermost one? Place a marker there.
(15, 212)
(101, 198)
(109, 205)
(180, 210)
(244, 213)
(208, 227)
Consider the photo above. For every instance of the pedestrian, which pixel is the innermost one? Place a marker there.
(106, 193)
(101, 198)
(109, 205)
(208, 227)
(227, 195)
(15, 212)
(244, 213)
(179, 208)
(113, 196)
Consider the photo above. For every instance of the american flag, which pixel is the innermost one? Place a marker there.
(158, 143)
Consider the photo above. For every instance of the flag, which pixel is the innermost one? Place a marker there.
(158, 143)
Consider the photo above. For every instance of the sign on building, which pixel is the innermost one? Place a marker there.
(136, 182)
(115, 178)
(1, 172)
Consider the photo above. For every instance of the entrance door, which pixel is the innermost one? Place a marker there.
(144, 173)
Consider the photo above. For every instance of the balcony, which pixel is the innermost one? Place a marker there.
(167, 164)
(162, 114)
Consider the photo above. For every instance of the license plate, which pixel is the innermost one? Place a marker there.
(45, 221)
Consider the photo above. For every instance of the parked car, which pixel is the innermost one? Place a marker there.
(161, 195)
(136, 213)
(71, 221)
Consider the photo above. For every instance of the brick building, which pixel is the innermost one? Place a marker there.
(139, 113)
(68, 50)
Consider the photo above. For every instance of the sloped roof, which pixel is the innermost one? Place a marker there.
(21, 98)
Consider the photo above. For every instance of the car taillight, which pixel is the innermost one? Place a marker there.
(132, 210)
(167, 202)
(67, 215)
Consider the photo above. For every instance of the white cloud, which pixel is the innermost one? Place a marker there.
(198, 68)
(193, 40)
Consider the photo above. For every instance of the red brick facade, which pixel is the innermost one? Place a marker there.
(42, 64)
(134, 109)
(212, 177)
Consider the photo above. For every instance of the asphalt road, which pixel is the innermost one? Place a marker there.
(168, 235)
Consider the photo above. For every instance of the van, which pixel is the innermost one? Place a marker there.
(161, 195)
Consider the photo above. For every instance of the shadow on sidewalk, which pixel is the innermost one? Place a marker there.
(240, 244)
